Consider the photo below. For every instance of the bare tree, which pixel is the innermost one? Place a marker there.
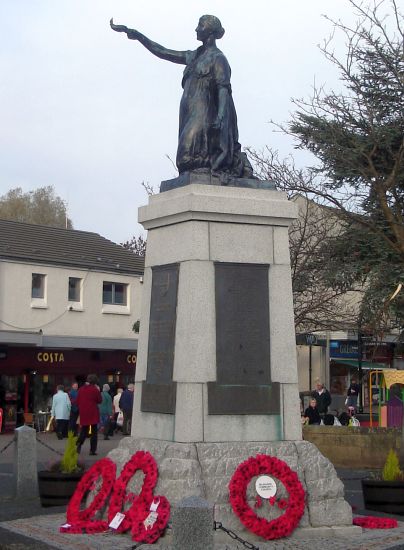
(357, 138)
(137, 245)
(317, 304)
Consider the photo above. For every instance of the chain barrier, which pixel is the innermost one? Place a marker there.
(219, 526)
(48, 447)
(7, 446)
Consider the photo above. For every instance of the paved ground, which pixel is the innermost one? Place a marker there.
(41, 533)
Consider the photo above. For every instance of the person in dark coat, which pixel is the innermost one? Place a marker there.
(323, 398)
(106, 410)
(126, 406)
(311, 414)
(88, 399)
(353, 394)
(74, 411)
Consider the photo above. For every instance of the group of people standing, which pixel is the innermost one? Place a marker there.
(321, 400)
(319, 403)
(90, 408)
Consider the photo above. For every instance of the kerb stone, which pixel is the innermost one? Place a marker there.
(25, 464)
(192, 521)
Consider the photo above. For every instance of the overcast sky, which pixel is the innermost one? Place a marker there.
(86, 110)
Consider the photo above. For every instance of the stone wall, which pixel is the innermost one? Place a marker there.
(359, 447)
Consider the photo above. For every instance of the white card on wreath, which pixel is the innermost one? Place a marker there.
(117, 520)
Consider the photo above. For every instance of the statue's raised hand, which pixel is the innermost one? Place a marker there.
(118, 28)
(131, 33)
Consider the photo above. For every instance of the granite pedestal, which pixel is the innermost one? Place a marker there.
(216, 375)
(217, 356)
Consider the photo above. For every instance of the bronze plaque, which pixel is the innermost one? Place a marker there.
(238, 399)
(158, 398)
(163, 313)
(242, 324)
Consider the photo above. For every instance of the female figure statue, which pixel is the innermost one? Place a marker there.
(208, 134)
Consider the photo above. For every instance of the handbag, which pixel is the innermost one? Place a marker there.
(119, 420)
(50, 426)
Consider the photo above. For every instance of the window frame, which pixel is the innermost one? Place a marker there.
(40, 300)
(79, 287)
(113, 301)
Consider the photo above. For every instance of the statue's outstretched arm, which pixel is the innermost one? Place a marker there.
(156, 49)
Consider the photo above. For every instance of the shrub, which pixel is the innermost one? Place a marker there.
(391, 470)
(69, 462)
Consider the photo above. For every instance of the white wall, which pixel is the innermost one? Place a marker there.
(89, 318)
(318, 366)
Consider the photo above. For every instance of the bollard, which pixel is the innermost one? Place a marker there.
(192, 523)
(25, 464)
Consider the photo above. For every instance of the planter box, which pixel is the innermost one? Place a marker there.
(384, 496)
(56, 488)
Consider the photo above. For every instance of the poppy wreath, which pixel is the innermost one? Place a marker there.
(373, 522)
(140, 533)
(293, 506)
(142, 460)
(80, 520)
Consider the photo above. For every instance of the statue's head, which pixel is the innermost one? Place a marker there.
(209, 24)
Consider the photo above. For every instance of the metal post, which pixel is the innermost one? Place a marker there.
(310, 366)
(327, 361)
(360, 368)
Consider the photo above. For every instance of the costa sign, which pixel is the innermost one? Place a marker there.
(50, 357)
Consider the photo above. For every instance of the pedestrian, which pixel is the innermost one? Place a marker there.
(323, 398)
(311, 414)
(88, 399)
(74, 411)
(61, 407)
(106, 410)
(126, 405)
(352, 395)
(116, 409)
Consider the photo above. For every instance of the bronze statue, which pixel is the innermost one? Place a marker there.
(208, 134)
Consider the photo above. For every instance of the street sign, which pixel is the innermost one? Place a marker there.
(308, 339)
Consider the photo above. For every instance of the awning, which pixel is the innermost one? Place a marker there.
(366, 365)
(393, 376)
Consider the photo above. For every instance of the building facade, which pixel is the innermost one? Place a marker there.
(68, 303)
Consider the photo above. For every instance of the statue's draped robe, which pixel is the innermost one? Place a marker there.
(199, 145)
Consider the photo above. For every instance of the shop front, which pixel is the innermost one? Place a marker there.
(29, 376)
(344, 365)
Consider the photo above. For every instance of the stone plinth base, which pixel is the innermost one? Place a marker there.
(205, 469)
(209, 178)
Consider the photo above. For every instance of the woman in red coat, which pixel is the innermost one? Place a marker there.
(88, 399)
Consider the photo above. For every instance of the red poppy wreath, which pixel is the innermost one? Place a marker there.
(373, 522)
(139, 461)
(293, 506)
(135, 518)
(81, 520)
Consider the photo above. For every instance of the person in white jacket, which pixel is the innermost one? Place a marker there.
(61, 406)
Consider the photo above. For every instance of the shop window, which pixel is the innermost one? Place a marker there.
(38, 286)
(115, 293)
(74, 292)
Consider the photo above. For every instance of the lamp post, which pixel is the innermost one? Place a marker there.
(360, 372)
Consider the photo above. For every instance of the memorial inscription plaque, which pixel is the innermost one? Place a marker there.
(242, 324)
(158, 392)
(243, 371)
